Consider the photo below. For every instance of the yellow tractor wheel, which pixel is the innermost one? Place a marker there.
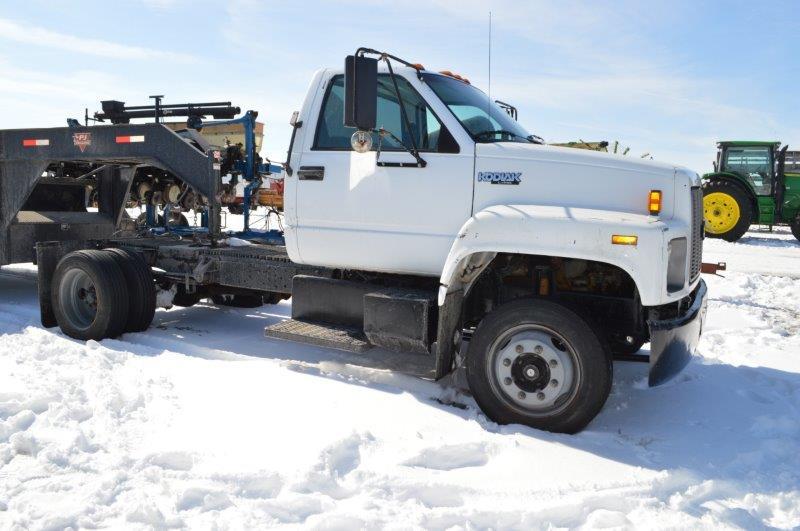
(727, 210)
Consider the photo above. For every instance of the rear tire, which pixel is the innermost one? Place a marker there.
(727, 210)
(540, 364)
(141, 289)
(90, 295)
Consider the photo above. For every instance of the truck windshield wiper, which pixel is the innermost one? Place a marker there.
(490, 132)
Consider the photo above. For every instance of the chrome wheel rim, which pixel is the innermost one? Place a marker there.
(78, 298)
(534, 370)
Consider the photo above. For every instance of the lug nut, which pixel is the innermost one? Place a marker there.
(553, 383)
(540, 396)
(506, 362)
(507, 381)
(538, 349)
(553, 363)
(521, 395)
(519, 349)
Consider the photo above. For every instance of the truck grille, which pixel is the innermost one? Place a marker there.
(696, 255)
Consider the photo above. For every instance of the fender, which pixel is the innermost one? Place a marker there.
(566, 232)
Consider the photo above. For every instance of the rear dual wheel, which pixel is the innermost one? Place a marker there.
(102, 294)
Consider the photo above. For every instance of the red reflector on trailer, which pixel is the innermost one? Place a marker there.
(129, 139)
(34, 142)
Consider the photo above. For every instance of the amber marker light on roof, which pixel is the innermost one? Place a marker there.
(654, 202)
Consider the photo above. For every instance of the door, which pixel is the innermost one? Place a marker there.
(352, 212)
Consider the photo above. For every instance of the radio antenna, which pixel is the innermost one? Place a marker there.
(489, 104)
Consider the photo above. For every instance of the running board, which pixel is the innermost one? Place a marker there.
(321, 335)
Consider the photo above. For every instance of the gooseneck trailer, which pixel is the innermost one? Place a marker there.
(420, 217)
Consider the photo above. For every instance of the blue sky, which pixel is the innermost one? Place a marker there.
(666, 78)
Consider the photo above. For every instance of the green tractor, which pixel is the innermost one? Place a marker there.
(751, 184)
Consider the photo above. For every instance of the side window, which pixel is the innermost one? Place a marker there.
(754, 164)
(425, 126)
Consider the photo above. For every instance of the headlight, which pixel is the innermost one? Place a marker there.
(676, 270)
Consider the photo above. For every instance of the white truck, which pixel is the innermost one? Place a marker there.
(420, 217)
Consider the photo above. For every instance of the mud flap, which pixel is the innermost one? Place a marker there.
(673, 341)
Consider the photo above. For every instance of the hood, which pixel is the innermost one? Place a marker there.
(514, 173)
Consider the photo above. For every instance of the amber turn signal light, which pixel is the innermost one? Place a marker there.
(623, 239)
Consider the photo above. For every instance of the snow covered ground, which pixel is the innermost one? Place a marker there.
(202, 422)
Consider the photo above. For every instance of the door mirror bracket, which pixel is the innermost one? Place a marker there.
(361, 104)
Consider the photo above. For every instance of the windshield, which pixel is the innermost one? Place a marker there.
(482, 118)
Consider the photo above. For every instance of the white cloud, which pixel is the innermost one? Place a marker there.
(13, 31)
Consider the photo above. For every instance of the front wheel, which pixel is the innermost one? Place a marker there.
(727, 210)
(538, 363)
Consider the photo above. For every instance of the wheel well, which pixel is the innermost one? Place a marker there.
(603, 293)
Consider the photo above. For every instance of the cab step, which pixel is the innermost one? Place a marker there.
(353, 340)
(321, 335)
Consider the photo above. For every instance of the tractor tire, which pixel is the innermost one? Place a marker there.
(727, 210)
(141, 289)
(90, 295)
(540, 364)
(238, 301)
(795, 226)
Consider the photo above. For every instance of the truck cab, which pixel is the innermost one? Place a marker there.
(381, 211)
(443, 187)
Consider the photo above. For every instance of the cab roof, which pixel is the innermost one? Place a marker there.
(744, 143)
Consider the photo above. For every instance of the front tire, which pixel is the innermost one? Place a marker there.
(540, 364)
(727, 210)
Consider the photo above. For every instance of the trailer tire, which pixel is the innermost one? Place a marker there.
(90, 295)
(540, 364)
(727, 209)
(141, 289)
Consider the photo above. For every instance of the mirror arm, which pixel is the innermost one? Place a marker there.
(288, 165)
(413, 150)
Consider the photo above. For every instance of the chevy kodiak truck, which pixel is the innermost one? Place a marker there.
(420, 218)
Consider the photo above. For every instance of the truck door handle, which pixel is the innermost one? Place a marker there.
(311, 173)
